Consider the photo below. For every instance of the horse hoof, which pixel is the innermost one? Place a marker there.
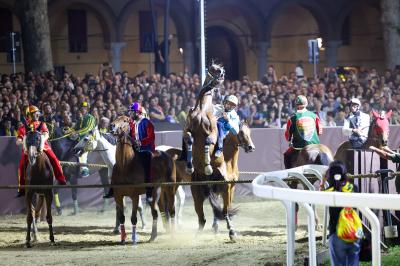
(52, 243)
(122, 243)
(232, 235)
(28, 245)
(59, 211)
(116, 231)
(143, 226)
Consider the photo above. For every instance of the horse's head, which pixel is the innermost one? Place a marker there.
(88, 143)
(120, 126)
(244, 137)
(215, 75)
(380, 126)
(32, 144)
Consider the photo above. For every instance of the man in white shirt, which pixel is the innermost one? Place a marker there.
(356, 125)
(227, 121)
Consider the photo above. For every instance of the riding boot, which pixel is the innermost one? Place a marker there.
(147, 168)
(20, 193)
(110, 194)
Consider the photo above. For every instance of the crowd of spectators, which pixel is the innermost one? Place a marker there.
(265, 103)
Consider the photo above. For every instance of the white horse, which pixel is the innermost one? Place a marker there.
(105, 144)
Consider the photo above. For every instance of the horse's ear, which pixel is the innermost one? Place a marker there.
(388, 114)
(375, 114)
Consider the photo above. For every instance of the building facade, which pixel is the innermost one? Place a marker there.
(246, 36)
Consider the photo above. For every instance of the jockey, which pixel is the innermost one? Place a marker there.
(86, 122)
(356, 125)
(302, 129)
(33, 123)
(143, 138)
(228, 120)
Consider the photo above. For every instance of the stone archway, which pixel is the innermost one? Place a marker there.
(222, 46)
(100, 9)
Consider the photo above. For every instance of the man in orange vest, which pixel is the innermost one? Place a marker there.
(33, 122)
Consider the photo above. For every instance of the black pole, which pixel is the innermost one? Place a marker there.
(155, 35)
(166, 34)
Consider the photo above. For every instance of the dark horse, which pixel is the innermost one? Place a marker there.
(310, 154)
(129, 169)
(378, 136)
(63, 148)
(39, 172)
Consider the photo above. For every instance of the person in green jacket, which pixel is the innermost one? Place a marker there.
(86, 122)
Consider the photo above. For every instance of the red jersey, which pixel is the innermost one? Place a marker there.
(22, 131)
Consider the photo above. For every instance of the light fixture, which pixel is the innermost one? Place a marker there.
(320, 44)
(181, 50)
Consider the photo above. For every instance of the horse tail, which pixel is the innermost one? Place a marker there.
(324, 158)
(169, 164)
(216, 206)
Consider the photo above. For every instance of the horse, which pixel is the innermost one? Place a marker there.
(105, 144)
(181, 176)
(39, 172)
(378, 135)
(129, 169)
(310, 154)
(63, 148)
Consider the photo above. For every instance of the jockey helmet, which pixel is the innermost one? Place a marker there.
(31, 110)
(301, 100)
(355, 101)
(232, 99)
(85, 104)
(136, 107)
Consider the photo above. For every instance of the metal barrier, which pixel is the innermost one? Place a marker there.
(362, 201)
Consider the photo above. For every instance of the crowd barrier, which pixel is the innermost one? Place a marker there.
(362, 201)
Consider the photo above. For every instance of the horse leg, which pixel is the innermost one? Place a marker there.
(188, 139)
(49, 217)
(162, 206)
(154, 214)
(207, 158)
(29, 218)
(198, 199)
(74, 191)
(181, 196)
(119, 205)
(104, 181)
(141, 213)
(293, 185)
(226, 199)
(38, 208)
(135, 203)
(170, 196)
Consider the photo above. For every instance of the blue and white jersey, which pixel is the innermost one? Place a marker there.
(233, 122)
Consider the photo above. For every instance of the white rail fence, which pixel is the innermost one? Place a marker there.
(362, 201)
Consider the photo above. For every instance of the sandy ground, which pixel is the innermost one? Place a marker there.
(87, 239)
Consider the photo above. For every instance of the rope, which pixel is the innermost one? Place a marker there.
(94, 165)
(141, 185)
(64, 136)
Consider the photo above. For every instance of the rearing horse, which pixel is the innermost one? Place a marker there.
(40, 172)
(378, 136)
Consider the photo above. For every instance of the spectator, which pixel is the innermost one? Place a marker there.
(341, 252)
(155, 111)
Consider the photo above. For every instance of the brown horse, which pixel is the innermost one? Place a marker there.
(200, 193)
(378, 136)
(310, 154)
(39, 172)
(129, 169)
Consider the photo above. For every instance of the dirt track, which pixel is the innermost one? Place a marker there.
(87, 239)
